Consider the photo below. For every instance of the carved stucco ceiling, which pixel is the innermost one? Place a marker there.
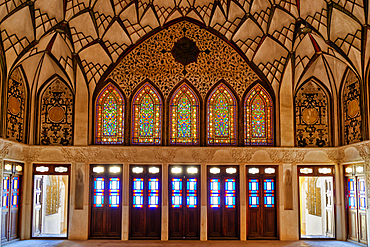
(83, 38)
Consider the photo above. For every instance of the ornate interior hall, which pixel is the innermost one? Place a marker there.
(191, 120)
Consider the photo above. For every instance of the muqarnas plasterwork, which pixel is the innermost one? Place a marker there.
(16, 105)
(352, 117)
(312, 117)
(56, 126)
(212, 60)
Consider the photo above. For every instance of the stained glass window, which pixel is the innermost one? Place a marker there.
(98, 192)
(215, 189)
(221, 117)
(184, 117)
(230, 193)
(176, 193)
(5, 192)
(109, 116)
(258, 117)
(146, 116)
(254, 199)
(191, 193)
(269, 193)
(138, 195)
(15, 192)
(362, 194)
(153, 192)
(114, 191)
(352, 193)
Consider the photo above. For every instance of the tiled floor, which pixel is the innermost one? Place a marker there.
(116, 243)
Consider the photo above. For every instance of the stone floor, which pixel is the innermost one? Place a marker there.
(111, 243)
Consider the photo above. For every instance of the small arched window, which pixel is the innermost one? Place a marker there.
(258, 123)
(109, 119)
(184, 117)
(221, 117)
(146, 116)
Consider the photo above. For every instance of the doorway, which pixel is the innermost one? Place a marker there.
(12, 180)
(262, 202)
(105, 201)
(50, 201)
(223, 206)
(184, 197)
(316, 202)
(145, 202)
(355, 196)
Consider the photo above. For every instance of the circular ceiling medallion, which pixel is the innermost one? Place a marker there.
(56, 114)
(310, 116)
(14, 105)
(353, 108)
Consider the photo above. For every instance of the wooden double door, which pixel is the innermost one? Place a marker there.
(105, 201)
(223, 205)
(184, 196)
(11, 202)
(356, 207)
(261, 194)
(145, 202)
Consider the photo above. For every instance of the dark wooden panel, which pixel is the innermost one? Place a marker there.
(269, 222)
(113, 226)
(215, 222)
(176, 224)
(153, 223)
(137, 222)
(191, 223)
(230, 227)
(254, 223)
(97, 223)
(14, 224)
(362, 227)
(4, 226)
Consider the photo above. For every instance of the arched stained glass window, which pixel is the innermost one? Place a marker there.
(221, 117)
(258, 117)
(146, 116)
(184, 117)
(109, 116)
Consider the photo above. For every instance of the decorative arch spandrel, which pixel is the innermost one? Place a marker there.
(16, 107)
(56, 106)
(312, 115)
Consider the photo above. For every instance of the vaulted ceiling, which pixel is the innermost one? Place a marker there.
(84, 38)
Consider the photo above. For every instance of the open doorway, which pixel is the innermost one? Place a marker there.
(50, 201)
(316, 199)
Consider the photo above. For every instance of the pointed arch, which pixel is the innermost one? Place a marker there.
(312, 105)
(109, 116)
(16, 106)
(184, 116)
(221, 116)
(147, 116)
(56, 112)
(258, 113)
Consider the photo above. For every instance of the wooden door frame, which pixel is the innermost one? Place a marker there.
(315, 173)
(51, 172)
(90, 200)
(277, 199)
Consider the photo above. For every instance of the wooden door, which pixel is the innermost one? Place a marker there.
(14, 206)
(105, 202)
(361, 195)
(223, 209)
(37, 206)
(352, 208)
(329, 209)
(5, 208)
(145, 202)
(184, 212)
(261, 193)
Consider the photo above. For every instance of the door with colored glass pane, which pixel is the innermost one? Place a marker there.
(261, 194)
(184, 197)
(145, 202)
(105, 202)
(11, 201)
(223, 202)
(356, 203)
